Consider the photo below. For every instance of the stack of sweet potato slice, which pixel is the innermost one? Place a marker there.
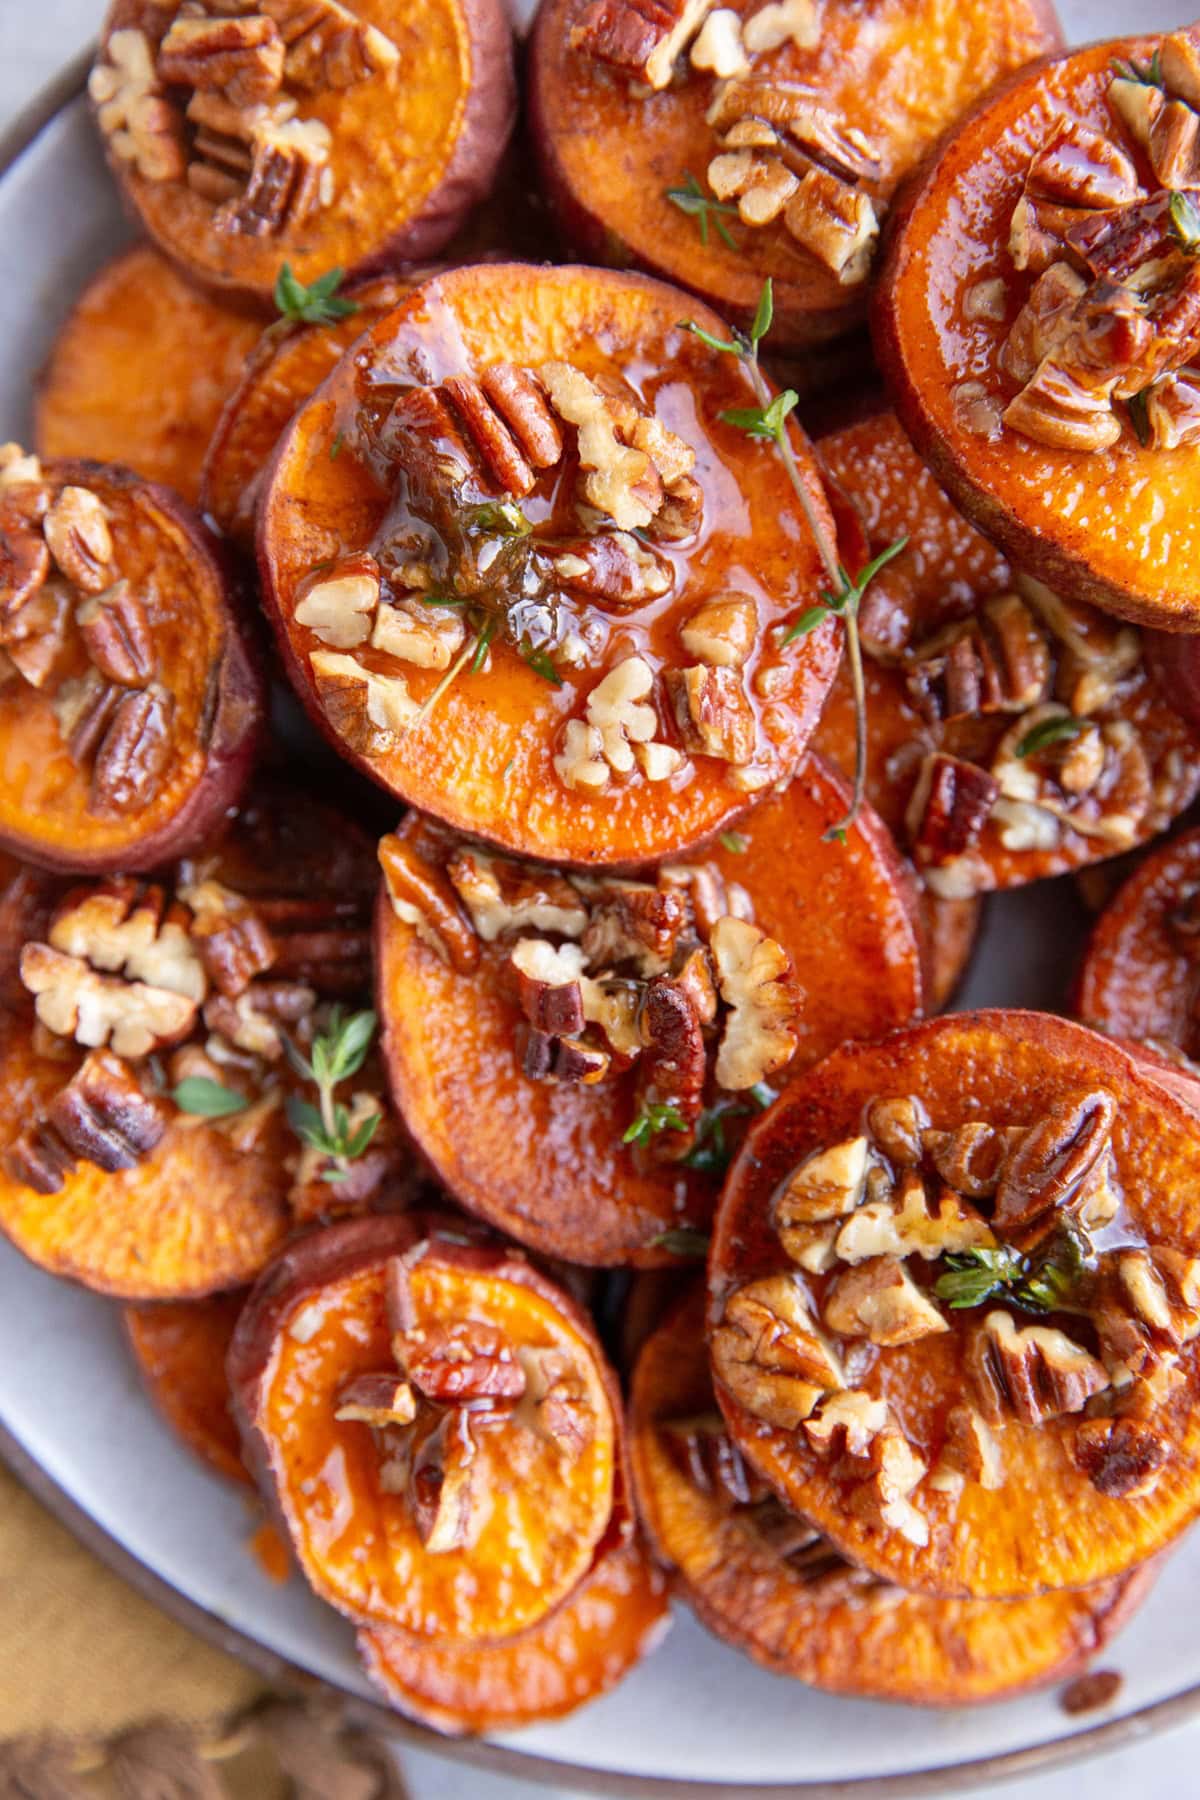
(591, 911)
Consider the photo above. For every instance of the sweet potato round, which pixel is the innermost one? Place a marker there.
(202, 662)
(899, 71)
(587, 1645)
(1047, 1526)
(140, 371)
(819, 1620)
(949, 932)
(180, 1354)
(544, 1161)
(317, 1319)
(484, 759)
(410, 146)
(1139, 976)
(1079, 520)
(947, 570)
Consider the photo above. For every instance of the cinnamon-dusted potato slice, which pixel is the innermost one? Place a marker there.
(765, 1581)
(801, 118)
(129, 699)
(585, 1647)
(955, 1296)
(1051, 388)
(322, 133)
(525, 577)
(949, 932)
(140, 371)
(621, 1029)
(148, 1149)
(180, 1351)
(1012, 733)
(1140, 978)
(455, 1410)
(289, 363)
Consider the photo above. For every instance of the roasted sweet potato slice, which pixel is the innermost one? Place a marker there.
(1012, 734)
(140, 371)
(1140, 977)
(316, 132)
(450, 551)
(129, 698)
(956, 1294)
(180, 1352)
(765, 1581)
(437, 1424)
(590, 1643)
(160, 1142)
(289, 363)
(949, 929)
(1050, 387)
(585, 1095)
(802, 120)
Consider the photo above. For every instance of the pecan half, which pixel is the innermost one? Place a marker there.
(949, 807)
(421, 895)
(453, 1364)
(116, 635)
(1048, 1168)
(754, 975)
(134, 752)
(240, 57)
(1035, 1374)
(705, 1454)
(102, 1116)
(772, 1355)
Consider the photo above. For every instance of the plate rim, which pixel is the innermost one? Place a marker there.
(63, 90)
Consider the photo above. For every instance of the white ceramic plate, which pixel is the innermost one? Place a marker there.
(75, 1422)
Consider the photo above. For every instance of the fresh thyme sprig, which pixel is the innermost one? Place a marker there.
(768, 420)
(654, 1116)
(1039, 1284)
(337, 1054)
(317, 304)
(207, 1099)
(1147, 75)
(712, 1152)
(1051, 731)
(692, 200)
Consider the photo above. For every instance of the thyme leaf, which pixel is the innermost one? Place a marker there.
(336, 1055)
(691, 199)
(207, 1099)
(734, 842)
(541, 662)
(654, 1116)
(683, 1241)
(317, 304)
(1050, 731)
(1146, 75)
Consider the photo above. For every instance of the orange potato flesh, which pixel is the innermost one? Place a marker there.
(202, 659)
(210, 1205)
(318, 1320)
(1046, 1527)
(140, 371)
(197, 1215)
(589, 1644)
(544, 1160)
(949, 930)
(483, 759)
(180, 1353)
(821, 1621)
(1138, 979)
(1079, 520)
(289, 365)
(899, 71)
(412, 148)
(947, 569)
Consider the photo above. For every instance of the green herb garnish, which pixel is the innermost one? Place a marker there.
(503, 517)
(208, 1099)
(1039, 1284)
(692, 200)
(336, 1055)
(654, 1116)
(541, 663)
(1149, 75)
(1183, 215)
(317, 304)
(734, 842)
(683, 1241)
(1051, 731)
(335, 449)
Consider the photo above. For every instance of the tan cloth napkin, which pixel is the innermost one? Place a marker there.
(101, 1694)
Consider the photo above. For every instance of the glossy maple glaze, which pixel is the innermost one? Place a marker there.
(1117, 527)
(949, 932)
(413, 148)
(1137, 979)
(140, 371)
(289, 364)
(483, 760)
(947, 568)
(203, 658)
(585, 1647)
(899, 71)
(180, 1353)
(544, 1161)
(1047, 1527)
(865, 1638)
(319, 1318)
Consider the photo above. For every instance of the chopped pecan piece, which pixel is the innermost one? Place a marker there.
(897, 1127)
(339, 607)
(376, 1400)
(883, 1498)
(630, 921)
(718, 48)
(1047, 1168)
(673, 1067)
(1163, 1287)
(722, 632)
(116, 635)
(950, 806)
(827, 1185)
(35, 637)
(707, 1456)
(879, 1300)
(1057, 408)
(618, 479)
(970, 1452)
(422, 897)
(555, 1404)
(505, 896)
(253, 1021)
(641, 37)
(772, 1355)
(328, 46)
(234, 943)
(1123, 1458)
(613, 568)
(73, 1000)
(24, 560)
(970, 1157)
(849, 1420)
(446, 1486)
(548, 986)
(908, 1228)
(102, 1116)
(713, 712)
(753, 973)
(454, 1364)
(240, 57)
(1035, 1374)
(139, 124)
(127, 925)
(1173, 410)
